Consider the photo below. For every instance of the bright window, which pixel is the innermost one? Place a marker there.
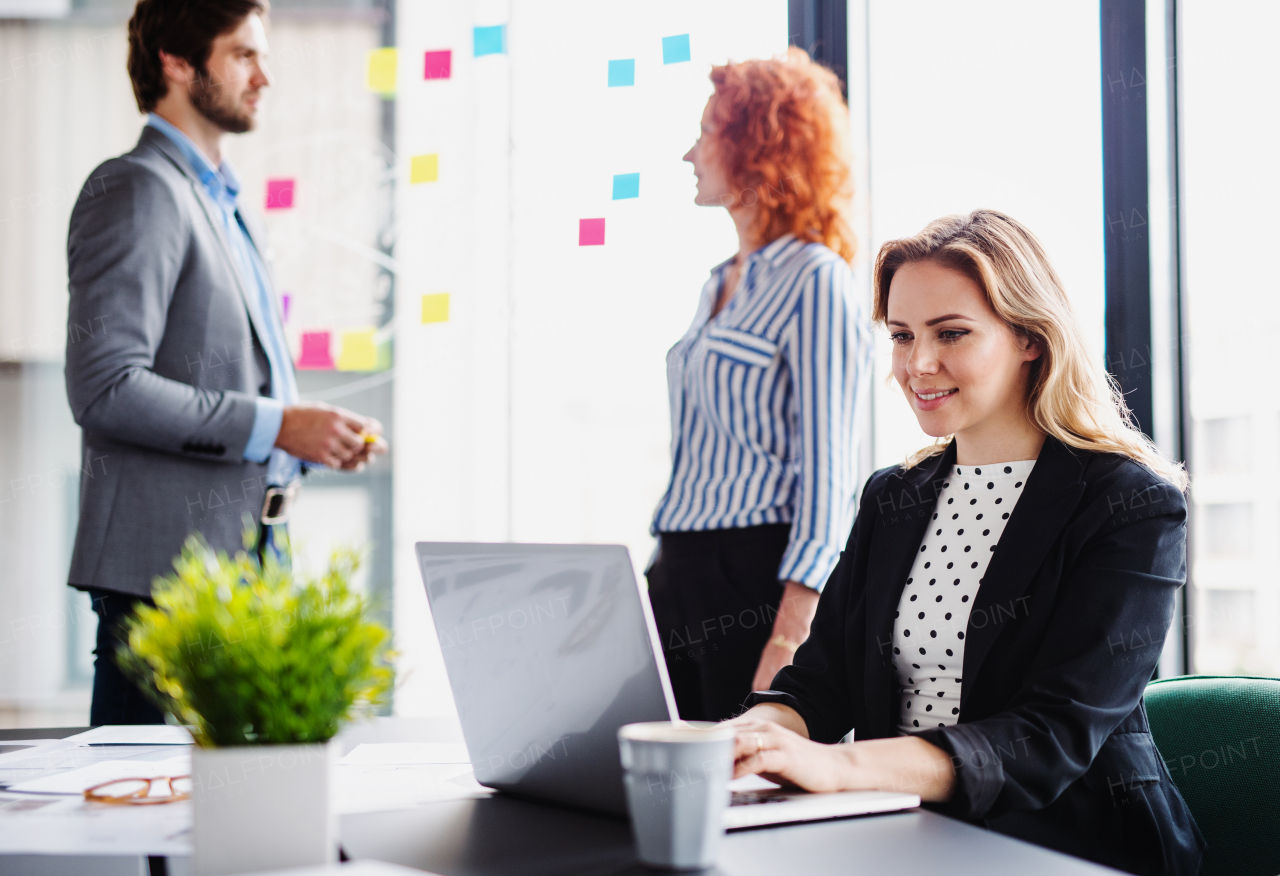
(1231, 182)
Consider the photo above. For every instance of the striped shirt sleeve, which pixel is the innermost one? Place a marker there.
(826, 348)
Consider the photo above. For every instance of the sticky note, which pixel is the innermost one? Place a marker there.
(490, 40)
(622, 72)
(438, 65)
(381, 76)
(590, 232)
(435, 308)
(315, 352)
(359, 352)
(279, 194)
(424, 168)
(626, 185)
(675, 49)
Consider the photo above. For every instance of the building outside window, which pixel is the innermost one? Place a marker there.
(1230, 182)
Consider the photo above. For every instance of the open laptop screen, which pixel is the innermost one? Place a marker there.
(549, 650)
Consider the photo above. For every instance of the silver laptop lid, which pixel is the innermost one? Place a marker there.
(549, 650)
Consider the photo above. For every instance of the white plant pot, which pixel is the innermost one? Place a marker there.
(262, 807)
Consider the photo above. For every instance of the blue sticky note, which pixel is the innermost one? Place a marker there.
(622, 72)
(675, 49)
(626, 185)
(491, 40)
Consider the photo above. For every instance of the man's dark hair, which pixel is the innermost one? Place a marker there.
(185, 28)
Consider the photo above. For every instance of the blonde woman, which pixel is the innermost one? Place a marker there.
(1004, 595)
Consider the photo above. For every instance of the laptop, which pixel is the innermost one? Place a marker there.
(549, 650)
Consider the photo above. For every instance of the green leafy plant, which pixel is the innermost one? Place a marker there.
(247, 656)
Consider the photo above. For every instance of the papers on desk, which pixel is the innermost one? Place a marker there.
(380, 777)
(48, 825)
(11, 745)
(60, 756)
(140, 734)
(27, 750)
(50, 816)
(41, 757)
(53, 818)
(78, 780)
(403, 753)
(379, 788)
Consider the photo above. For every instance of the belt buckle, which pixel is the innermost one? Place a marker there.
(276, 504)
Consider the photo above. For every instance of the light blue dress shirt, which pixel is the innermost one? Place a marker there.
(223, 187)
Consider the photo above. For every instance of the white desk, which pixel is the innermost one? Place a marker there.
(505, 836)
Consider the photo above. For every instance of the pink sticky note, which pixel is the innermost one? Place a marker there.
(279, 194)
(438, 65)
(590, 232)
(315, 352)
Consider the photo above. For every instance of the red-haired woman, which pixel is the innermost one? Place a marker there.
(763, 390)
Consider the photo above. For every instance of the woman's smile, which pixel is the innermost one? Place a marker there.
(946, 337)
(929, 396)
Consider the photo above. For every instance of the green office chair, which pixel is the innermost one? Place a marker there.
(1220, 738)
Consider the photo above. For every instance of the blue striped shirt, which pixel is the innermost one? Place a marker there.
(763, 396)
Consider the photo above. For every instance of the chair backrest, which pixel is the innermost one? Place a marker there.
(1220, 738)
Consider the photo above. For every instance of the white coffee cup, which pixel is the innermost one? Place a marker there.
(677, 778)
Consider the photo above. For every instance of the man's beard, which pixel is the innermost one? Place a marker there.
(210, 101)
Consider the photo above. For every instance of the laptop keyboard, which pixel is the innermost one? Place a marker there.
(747, 798)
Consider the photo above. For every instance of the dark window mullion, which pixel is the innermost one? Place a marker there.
(1124, 183)
(821, 28)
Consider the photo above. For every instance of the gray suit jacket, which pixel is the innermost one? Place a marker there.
(163, 365)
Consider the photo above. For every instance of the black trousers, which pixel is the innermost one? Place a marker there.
(116, 698)
(715, 595)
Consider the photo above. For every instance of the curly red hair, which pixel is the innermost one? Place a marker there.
(781, 133)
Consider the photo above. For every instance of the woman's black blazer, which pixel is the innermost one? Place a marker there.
(1052, 744)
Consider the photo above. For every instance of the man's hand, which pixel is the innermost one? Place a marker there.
(795, 614)
(320, 433)
(374, 445)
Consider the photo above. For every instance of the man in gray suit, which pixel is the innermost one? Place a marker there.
(177, 367)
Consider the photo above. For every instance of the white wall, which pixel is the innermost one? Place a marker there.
(319, 126)
(61, 113)
(539, 412)
(65, 106)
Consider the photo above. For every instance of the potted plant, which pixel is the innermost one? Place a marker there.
(264, 670)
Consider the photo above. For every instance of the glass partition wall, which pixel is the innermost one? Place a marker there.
(319, 168)
(1230, 183)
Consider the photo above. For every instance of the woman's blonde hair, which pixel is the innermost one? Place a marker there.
(1070, 396)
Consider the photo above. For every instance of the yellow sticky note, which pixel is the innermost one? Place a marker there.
(382, 71)
(435, 308)
(359, 352)
(424, 168)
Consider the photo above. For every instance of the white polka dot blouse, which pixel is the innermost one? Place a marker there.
(928, 631)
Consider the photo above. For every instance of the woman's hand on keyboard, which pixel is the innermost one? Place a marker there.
(906, 764)
(787, 758)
